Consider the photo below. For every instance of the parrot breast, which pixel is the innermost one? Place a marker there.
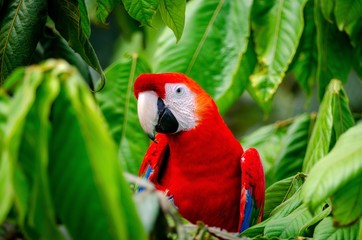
(203, 173)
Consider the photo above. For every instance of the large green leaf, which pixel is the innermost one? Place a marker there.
(283, 215)
(340, 167)
(20, 103)
(326, 230)
(357, 63)
(105, 7)
(40, 221)
(6, 189)
(173, 14)
(327, 7)
(213, 44)
(71, 20)
(119, 107)
(288, 226)
(333, 46)
(304, 66)
(21, 24)
(290, 159)
(347, 202)
(281, 191)
(92, 197)
(246, 68)
(4, 111)
(54, 46)
(342, 116)
(287, 206)
(142, 10)
(349, 18)
(308, 228)
(289, 218)
(333, 119)
(5, 166)
(277, 26)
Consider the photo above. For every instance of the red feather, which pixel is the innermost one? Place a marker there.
(252, 189)
(199, 168)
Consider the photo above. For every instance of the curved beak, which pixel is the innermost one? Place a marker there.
(154, 115)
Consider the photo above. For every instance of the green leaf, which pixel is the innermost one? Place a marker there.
(214, 42)
(332, 46)
(255, 230)
(342, 116)
(326, 230)
(86, 178)
(246, 67)
(4, 111)
(6, 190)
(173, 14)
(277, 28)
(119, 107)
(333, 119)
(308, 228)
(340, 167)
(84, 18)
(33, 159)
(357, 63)
(288, 226)
(21, 103)
(71, 20)
(290, 159)
(54, 46)
(142, 10)
(105, 7)
(281, 191)
(21, 25)
(305, 61)
(12, 180)
(288, 218)
(267, 141)
(347, 202)
(126, 46)
(349, 18)
(287, 206)
(327, 7)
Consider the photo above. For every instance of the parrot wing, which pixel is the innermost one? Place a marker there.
(155, 156)
(252, 189)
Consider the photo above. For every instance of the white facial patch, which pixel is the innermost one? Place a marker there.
(181, 101)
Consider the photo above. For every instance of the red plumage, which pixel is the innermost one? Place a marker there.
(202, 168)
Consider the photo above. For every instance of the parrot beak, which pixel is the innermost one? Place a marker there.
(154, 115)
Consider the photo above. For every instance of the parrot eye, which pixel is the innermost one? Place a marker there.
(179, 90)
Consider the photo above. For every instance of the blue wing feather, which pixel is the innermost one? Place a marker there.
(253, 189)
(147, 175)
(247, 212)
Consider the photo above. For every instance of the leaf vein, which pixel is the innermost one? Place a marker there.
(7, 38)
(203, 39)
(128, 96)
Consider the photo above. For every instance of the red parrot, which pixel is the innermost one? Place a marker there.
(194, 158)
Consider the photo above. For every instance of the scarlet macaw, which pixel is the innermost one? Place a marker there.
(194, 158)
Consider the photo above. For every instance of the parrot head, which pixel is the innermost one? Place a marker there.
(170, 103)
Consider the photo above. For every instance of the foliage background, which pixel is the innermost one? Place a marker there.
(284, 74)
